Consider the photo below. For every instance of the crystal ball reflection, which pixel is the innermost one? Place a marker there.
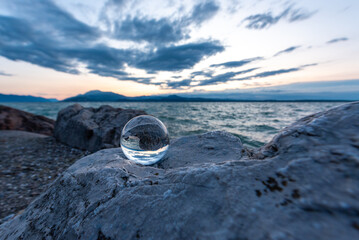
(144, 140)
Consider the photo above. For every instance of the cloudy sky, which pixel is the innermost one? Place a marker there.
(61, 48)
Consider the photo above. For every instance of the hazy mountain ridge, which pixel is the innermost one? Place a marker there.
(96, 95)
(279, 93)
(24, 98)
(241, 95)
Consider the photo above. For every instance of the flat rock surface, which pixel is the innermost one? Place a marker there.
(28, 162)
(197, 149)
(92, 129)
(304, 184)
(14, 119)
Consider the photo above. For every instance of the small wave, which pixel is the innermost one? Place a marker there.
(263, 128)
(167, 118)
(267, 113)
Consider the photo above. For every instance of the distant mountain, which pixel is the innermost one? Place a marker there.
(275, 96)
(99, 96)
(96, 96)
(23, 98)
(173, 98)
(343, 90)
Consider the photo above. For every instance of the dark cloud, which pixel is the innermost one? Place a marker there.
(5, 74)
(49, 37)
(211, 80)
(287, 50)
(143, 80)
(179, 84)
(231, 76)
(122, 75)
(265, 20)
(99, 59)
(225, 77)
(203, 12)
(260, 21)
(202, 73)
(240, 63)
(180, 57)
(275, 72)
(106, 72)
(19, 41)
(115, 2)
(299, 14)
(154, 31)
(164, 30)
(15, 32)
(52, 20)
(335, 40)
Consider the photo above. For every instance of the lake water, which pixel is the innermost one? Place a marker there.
(255, 123)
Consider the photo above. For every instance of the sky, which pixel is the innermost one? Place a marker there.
(60, 48)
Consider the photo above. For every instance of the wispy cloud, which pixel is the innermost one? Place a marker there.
(273, 73)
(233, 76)
(276, 72)
(225, 77)
(230, 76)
(240, 63)
(211, 79)
(266, 20)
(287, 50)
(203, 12)
(5, 74)
(335, 40)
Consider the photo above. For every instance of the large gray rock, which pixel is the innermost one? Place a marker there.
(92, 128)
(304, 184)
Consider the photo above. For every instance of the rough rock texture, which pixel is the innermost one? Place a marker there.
(92, 128)
(209, 147)
(28, 163)
(14, 119)
(304, 184)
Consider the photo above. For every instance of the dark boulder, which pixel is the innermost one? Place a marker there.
(14, 119)
(92, 128)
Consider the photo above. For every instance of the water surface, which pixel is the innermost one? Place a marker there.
(254, 122)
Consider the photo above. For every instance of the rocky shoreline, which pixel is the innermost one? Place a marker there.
(28, 163)
(304, 184)
(32, 157)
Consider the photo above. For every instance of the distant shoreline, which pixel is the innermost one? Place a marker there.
(99, 96)
(216, 100)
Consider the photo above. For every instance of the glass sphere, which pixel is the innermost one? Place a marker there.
(144, 140)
